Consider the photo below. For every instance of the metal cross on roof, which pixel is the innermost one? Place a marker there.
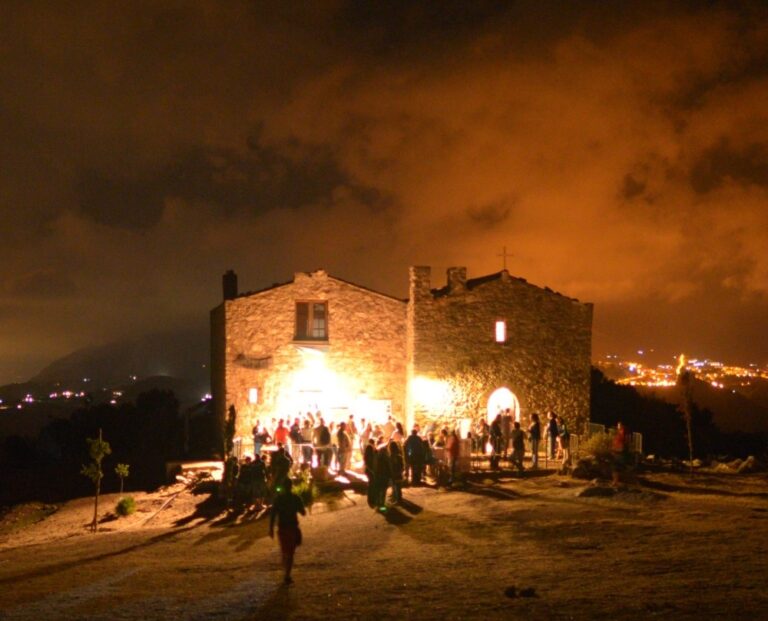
(504, 257)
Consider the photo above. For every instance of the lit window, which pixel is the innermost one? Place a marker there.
(253, 395)
(501, 331)
(311, 321)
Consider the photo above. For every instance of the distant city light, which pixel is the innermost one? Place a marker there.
(715, 373)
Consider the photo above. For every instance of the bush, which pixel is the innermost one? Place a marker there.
(595, 458)
(305, 489)
(125, 506)
(598, 447)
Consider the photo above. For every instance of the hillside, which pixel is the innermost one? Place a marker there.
(673, 547)
(182, 354)
(731, 411)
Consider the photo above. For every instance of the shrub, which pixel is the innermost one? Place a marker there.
(125, 506)
(597, 446)
(305, 489)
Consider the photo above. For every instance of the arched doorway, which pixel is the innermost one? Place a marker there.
(501, 399)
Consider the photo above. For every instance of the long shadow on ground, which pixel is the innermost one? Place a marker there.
(47, 570)
(278, 607)
(694, 489)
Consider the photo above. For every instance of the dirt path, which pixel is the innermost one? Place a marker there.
(669, 549)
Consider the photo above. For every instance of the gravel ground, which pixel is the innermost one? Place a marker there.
(669, 547)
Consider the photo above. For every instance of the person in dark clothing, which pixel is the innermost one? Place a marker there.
(517, 438)
(534, 432)
(396, 470)
(285, 511)
(245, 485)
(452, 451)
(429, 458)
(260, 438)
(280, 465)
(497, 440)
(552, 434)
(321, 438)
(382, 475)
(259, 481)
(414, 457)
(369, 460)
(344, 443)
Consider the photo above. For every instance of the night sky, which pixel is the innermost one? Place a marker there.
(619, 150)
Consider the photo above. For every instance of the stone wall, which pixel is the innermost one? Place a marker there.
(364, 355)
(545, 361)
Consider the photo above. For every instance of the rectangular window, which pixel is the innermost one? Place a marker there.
(253, 396)
(311, 321)
(501, 331)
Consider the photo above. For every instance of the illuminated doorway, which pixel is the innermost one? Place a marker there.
(500, 400)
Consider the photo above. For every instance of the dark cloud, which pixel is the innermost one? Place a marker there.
(491, 214)
(632, 187)
(619, 149)
(256, 179)
(40, 284)
(747, 164)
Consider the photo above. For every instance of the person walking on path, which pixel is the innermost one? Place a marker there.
(285, 511)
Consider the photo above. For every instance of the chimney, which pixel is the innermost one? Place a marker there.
(229, 285)
(420, 282)
(457, 279)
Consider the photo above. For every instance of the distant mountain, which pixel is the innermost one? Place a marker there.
(180, 354)
(176, 361)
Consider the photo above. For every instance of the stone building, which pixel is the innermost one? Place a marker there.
(445, 354)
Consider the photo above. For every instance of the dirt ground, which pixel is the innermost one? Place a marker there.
(670, 547)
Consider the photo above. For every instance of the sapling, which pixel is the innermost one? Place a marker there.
(121, 470)
(98, 449)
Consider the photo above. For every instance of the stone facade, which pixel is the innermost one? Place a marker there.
(433, 357)
(544, 360)
(361, 364)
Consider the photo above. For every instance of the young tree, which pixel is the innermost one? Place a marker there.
(684, 383)
(121, 470)
(226, 490)
(98, 450)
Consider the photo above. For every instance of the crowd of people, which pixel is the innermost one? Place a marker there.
(388, 457)
(505, 438)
